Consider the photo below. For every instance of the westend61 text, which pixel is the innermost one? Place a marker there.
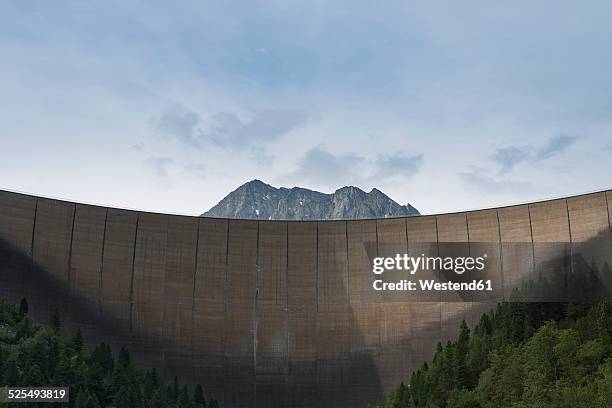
(430, 284)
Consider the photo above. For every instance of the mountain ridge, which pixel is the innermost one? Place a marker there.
(258, 200)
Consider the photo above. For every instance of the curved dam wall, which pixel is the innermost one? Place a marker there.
(269, 313)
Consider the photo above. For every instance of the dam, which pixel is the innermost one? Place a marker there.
(273, 313)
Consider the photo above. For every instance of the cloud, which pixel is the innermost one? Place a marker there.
(261, 157)
(166, 169)
(320, 167)
(554, 146)
(400, 164)
(227, 130)
(197, 170)
(508, 157)
(323, 168)
(479, 180)
(138, 147)
(181, 124)
(159, 165)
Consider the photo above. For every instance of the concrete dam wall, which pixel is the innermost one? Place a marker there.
(269, 313)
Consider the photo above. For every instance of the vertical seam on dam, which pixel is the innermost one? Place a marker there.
(608, 210)
(193, 289)
(195, 270)
(34, 229)
(381, 303)
(571, 244)
(287, 306)
(406, 232)
(226, 301)
(317, 276)
(348, 266)
(71, 243)
(317, 319)
(501, 256)
(440, 301)
(375, 229)
(31, 263)
(437, 237)
(377, 254)
(101, 266)
(132, 273)
(533, 260)
(256, 315)
(467, 229)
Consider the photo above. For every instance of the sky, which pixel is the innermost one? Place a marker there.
(169, 106)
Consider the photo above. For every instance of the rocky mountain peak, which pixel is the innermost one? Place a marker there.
(258, 200)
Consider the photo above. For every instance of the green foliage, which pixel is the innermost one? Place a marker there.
(10, 375)
(32, 354)
(520, 355)
(54, 321)
(23, 306)
(77, 341)
(184, 400)
(84, 399)
(198, 397)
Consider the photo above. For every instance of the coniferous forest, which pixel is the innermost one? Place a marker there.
(38, 355)
(520, 355)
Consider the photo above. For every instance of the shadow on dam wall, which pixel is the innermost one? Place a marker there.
(343, 375)
(20, 278)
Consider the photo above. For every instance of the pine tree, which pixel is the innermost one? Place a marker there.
(24, 328)
(122, 398)
(63, 372)
(11, 372)
(400, 398)
(184, 401)
(151, 384)
(606, 277)
(33, 376)
(198, 397)
(77, 341)
(175, 390)
(604, 325)
(54, 321)
(484, 327)
(460, 356)
(129, 394)
(53, 357)
(123, 359)
(23, 306)
(84, 399)
(103, 356)
(156, 400)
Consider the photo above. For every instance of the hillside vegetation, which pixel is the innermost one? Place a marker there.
(38, 355)
(520, 355)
